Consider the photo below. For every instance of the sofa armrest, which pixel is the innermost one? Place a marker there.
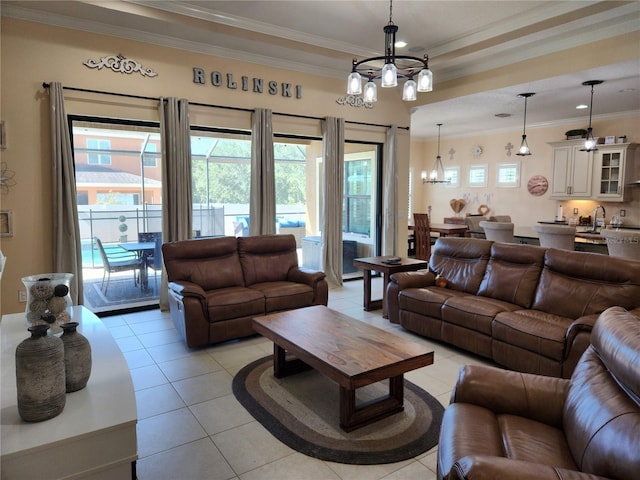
(417, 279)
(537, 397)
(484, 467)
(401, 280)
(316, 280)
(187, 289)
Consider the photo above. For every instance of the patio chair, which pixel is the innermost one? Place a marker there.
(154, 260)
(115, 259)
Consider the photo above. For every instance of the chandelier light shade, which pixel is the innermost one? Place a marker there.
(393, 67)
(590, 144)
(524, 147)
(437, 172)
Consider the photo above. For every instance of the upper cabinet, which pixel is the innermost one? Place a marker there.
(572, 170)
(600, 175)
(613, 168)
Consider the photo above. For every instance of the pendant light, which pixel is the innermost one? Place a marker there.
(394, 67)
(590, 142)
(437, 172)
(524, 147)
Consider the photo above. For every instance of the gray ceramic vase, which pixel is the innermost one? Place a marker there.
(40, 376)
(77, 357)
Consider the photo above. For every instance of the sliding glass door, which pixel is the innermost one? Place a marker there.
(119, 195)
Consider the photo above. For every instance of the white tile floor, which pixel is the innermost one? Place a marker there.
(190, 426)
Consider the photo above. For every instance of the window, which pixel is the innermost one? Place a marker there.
(356, 215)
(478, 175)
(94, 151)
(150, 155)
(508, 175)
(453, 174)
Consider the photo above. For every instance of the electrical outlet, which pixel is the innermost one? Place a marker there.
(623, 213)
(575, 211)
(22, 296)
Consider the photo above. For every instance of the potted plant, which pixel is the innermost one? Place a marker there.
(123, 228)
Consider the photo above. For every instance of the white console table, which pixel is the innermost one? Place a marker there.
(95, 435)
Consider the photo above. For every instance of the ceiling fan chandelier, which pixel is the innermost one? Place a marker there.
(590, 142)
(395, 66)
(437, 172)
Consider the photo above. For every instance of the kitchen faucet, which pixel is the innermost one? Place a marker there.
(595, 217)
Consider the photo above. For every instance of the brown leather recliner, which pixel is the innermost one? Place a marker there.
(217, 285)
(503, 424)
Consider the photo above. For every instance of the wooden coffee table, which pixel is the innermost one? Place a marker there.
(350, 352)
(377, 264)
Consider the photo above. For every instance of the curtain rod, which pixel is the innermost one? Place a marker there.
(140, 97)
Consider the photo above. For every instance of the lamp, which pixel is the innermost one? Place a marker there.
(590, 142)
(437, 172)
(524, 148)
(395, 66)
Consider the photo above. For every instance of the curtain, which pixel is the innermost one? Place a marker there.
(333, 154)
(67, 247)
(262, 203)
(390, 194)
(176, 177)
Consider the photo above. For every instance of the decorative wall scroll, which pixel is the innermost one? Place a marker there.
(354, 101)
(118, 63)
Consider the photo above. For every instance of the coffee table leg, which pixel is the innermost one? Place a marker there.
(283, 367)
(352, 417)
(367, 302)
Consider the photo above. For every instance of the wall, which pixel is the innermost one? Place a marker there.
(32, 53)
(525, 209)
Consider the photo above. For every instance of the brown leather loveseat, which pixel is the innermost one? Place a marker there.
(217, 285)
(508, 425)
(528, 308)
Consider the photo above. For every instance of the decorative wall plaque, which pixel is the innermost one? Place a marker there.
(118, 63)
(354, 101)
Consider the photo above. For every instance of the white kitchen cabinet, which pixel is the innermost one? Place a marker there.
(572, 170)
(614, 166)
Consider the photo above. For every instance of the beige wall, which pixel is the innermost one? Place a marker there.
(32, 53)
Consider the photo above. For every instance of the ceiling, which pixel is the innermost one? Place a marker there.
(321, 37)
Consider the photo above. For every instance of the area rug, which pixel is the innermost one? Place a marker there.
(302, 411)
(120, 292)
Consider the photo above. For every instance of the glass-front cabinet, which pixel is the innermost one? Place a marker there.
(613, 167)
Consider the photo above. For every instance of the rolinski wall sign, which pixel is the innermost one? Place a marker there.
(246, 84)
(118, 63)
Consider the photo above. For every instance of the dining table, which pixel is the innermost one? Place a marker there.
(447, 229)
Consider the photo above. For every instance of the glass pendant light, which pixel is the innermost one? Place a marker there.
(370, 94)
(354, 84)
(590, 142)
(389, 76)
(425, 78)
(524, 147)
(409, 91)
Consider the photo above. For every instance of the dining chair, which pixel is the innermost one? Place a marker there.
(115, 259)
(473, 224)
(622, 243)
(498, 231)
(422, 233)
(556, 236)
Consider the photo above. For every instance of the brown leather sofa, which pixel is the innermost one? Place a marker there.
(217, 285)
(528, 308)
(507, 425)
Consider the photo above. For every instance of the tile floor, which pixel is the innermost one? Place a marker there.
(190, 426)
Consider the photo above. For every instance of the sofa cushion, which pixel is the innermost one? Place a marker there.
(573, 285)
(426, 301)
(267, 258)
(284, 295)
(211, 263)
(461, 261)
(512, 273)
(602, 411)
(538, 332)
(234, 302)
(474, 313)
